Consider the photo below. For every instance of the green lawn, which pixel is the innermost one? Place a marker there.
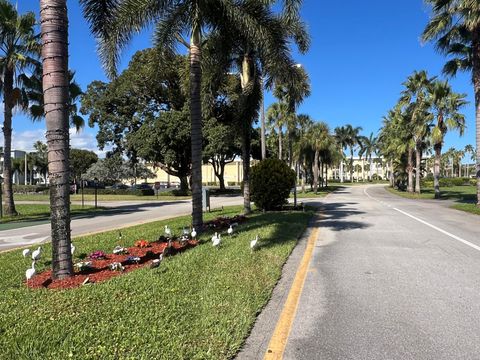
(101, 197)
(42, 211)
(464, 196)
(200, 304)
(322, 192)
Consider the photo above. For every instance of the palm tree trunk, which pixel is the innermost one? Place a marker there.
(7, 147)
(363, 170)
(476, 85)
(54, 33)
(246, 171)
(196, 121)
(436, 169)
(341, 171)
(315, 171)
(351, 166)
(371, 168)
(418, 171)
(326, 175)
(410, 169)
(280, 142)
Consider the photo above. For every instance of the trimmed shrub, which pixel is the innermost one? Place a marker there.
(270, 183)
(447, 182)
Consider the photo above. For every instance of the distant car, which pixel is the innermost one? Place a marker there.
(141, 187)
(119, 187)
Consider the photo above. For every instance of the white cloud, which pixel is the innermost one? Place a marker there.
(24, 140)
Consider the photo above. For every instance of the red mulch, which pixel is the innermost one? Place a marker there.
(99, 270)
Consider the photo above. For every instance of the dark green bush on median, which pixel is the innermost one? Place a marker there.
(270, 183)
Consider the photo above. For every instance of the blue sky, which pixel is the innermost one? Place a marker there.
(361, 53)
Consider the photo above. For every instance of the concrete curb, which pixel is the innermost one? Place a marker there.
(257, 342)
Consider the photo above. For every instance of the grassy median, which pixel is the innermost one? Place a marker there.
(200, 304)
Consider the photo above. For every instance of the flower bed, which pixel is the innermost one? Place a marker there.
(99, 269)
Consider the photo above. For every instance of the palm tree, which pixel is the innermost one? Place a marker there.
(369, 148)
(115, 23)
(33, 94)
(455, 27)
(353, 140)
(54, 33)
(277, 118)
(343, 141)
(445, 104)
(415, 97)
(319, 138)
(469, 149)
(18, 52)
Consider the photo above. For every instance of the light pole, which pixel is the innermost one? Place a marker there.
(96, 186)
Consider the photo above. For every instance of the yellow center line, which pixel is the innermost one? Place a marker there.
(277, 344)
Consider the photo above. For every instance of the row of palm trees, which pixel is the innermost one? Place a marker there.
(427, 109)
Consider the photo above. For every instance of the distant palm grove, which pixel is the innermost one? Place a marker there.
(179, 111)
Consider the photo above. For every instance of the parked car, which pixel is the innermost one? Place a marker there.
(119, 186)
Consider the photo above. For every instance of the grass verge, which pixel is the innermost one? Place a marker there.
(200, 304)
(29, 212)
(471, 208)
(101, 197)
(463, 194)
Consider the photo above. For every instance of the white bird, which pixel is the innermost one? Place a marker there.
(185, 231)
(215, 237)
(30, 272)
(193, 234)
(253, 243)
(216, 242)
(230, 230)
(72, 248)
(36, 254)
(168, 232)
(26, 252)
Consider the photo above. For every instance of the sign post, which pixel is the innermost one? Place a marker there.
(157, 188)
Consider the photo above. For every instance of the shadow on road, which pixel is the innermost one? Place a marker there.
(334, 214)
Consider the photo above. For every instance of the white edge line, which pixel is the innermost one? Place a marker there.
(439, 230)
(468, 243)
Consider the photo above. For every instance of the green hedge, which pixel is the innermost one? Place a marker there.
(449, 182)
(139, 192)
(28, 189)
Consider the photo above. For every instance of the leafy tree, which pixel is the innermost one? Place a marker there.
(112, 169)
(54, 33)
(18, 52)
(165, 141)
(455, 28)
(80, 161)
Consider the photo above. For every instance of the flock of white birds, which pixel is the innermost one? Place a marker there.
(216, 241)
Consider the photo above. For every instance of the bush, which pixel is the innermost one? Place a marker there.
(270, 183)
(447, 182)
(138, 192)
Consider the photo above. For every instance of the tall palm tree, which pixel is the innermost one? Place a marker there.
(369, 148)
(54, 34)
(343, 140)
(114, 23)
(445, 104)
(18, 52)
(455, 28)
(415, 97)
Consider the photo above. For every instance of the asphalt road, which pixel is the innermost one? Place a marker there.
(390, 278)
(123, 214)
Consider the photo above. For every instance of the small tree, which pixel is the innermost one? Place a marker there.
(271, 181)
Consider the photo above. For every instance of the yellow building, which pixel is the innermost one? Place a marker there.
(233, 174)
